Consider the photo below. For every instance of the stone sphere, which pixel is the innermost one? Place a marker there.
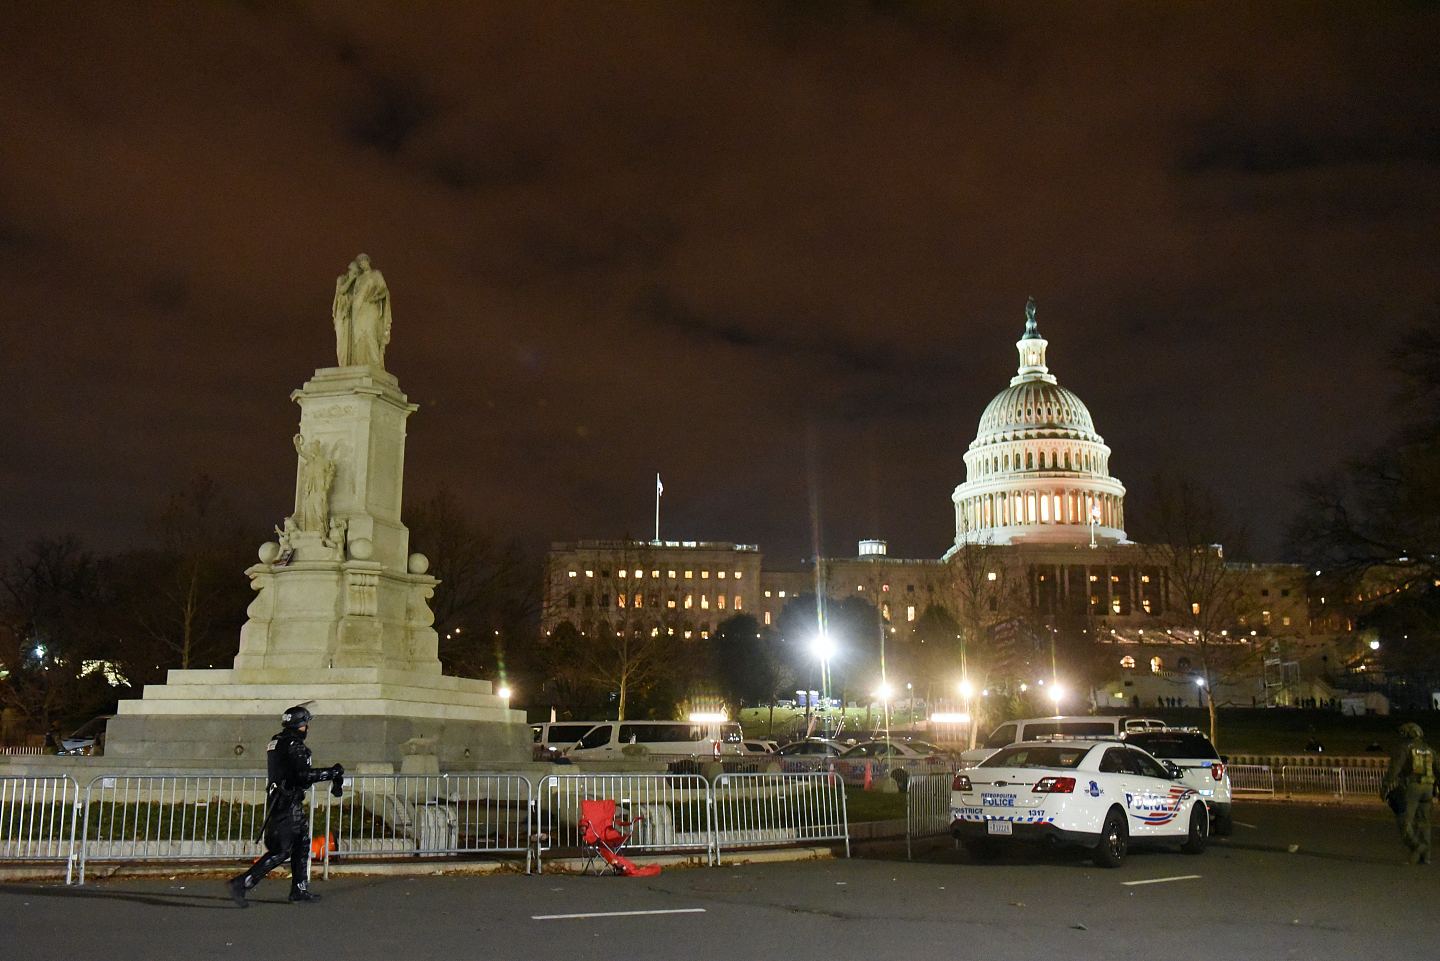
(419, 563)
(362, 549)
(269, 551)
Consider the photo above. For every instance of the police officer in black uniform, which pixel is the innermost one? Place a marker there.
(1412, 776)
(287, 828)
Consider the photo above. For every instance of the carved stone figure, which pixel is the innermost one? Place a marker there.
(317, 473)
(1031, 329)
(361, 312)
(285, 537)
(336, 536)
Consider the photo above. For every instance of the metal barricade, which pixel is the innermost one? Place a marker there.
(38, 820)
(166, 817)
(677, 811)
(1251, 778)
(1361, 781)
(765, 810)
(1312, 780)
(927, 807)
(385, 815)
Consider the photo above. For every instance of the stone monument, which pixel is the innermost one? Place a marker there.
(341, 614)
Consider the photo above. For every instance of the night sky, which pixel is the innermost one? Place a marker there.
(767, 250)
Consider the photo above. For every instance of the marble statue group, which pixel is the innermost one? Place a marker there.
(362, 315)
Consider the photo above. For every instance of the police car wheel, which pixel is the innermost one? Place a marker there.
(1114, 840)
(1198, 837)
(1224, 826)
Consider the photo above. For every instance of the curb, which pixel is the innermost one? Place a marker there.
(54, 872)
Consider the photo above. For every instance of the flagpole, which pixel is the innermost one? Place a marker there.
(659, 489)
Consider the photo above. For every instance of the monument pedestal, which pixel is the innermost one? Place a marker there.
(221, 718)
(341, 618)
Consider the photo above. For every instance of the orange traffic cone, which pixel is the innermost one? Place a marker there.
(320, 845)
(869, 779)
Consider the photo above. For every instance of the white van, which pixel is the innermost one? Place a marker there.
(607, 740)
(552, 738)
(1073, 725)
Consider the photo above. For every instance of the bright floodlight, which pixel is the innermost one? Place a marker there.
(708, 717)
(1374, 645)
(945, 717)
(504, 691)
(966, 689)
(884, 691)
(822, 646)
(1199, 682)
(1056, 693)
(1024, 688)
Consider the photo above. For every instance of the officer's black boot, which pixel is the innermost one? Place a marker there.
(236, 887)
(301, 893)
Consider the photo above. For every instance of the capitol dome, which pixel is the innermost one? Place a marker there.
(1037, 471)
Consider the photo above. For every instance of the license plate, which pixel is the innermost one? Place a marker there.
(999, 827)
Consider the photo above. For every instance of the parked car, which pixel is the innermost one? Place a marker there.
(812, 747)
(88, 738)
(1075, 725)
(1204, 768)
(913, 750)
(758, 746)
(894, 758)
(1103, 796)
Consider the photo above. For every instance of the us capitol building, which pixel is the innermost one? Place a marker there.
(1039, 511)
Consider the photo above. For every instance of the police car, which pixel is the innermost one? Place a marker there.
(1204, 767)
(1101, 795)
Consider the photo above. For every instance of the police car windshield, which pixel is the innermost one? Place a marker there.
(1173, 744)
(1044, 755)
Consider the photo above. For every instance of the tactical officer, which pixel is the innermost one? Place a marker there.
(1412, 774)
(287, 829)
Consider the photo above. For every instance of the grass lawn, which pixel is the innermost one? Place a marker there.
(873, 805)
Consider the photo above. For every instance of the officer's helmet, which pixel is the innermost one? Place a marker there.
(295, 718)
(1411, 731)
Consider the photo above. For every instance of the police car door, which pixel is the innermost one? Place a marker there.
(1159, 800)
(1120, 777)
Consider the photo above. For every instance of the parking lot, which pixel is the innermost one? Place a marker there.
(1340, 892)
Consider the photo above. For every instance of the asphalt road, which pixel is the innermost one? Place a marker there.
(1343, 893)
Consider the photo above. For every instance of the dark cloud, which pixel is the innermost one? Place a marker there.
(771, 250)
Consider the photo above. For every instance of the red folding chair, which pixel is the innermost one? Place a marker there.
(605, 834)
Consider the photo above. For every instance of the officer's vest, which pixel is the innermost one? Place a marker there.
(1422, 765)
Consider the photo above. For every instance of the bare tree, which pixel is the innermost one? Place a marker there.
(187, 595)
(489, 591)
(1206, 596)
(53, 605)
(985, 593)
(629, 639)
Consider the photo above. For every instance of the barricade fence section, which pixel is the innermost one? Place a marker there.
(384, 816)
(1251, 778)
(760, 810)
(927, 807)
(38, 820)
(171, 817)
(675, 811)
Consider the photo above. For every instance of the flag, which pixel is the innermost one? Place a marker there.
(659, 487)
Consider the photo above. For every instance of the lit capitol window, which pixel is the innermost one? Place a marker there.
(574, 574)
(991, 575)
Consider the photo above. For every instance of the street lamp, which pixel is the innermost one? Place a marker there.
(504, 691)
(1375, 645)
